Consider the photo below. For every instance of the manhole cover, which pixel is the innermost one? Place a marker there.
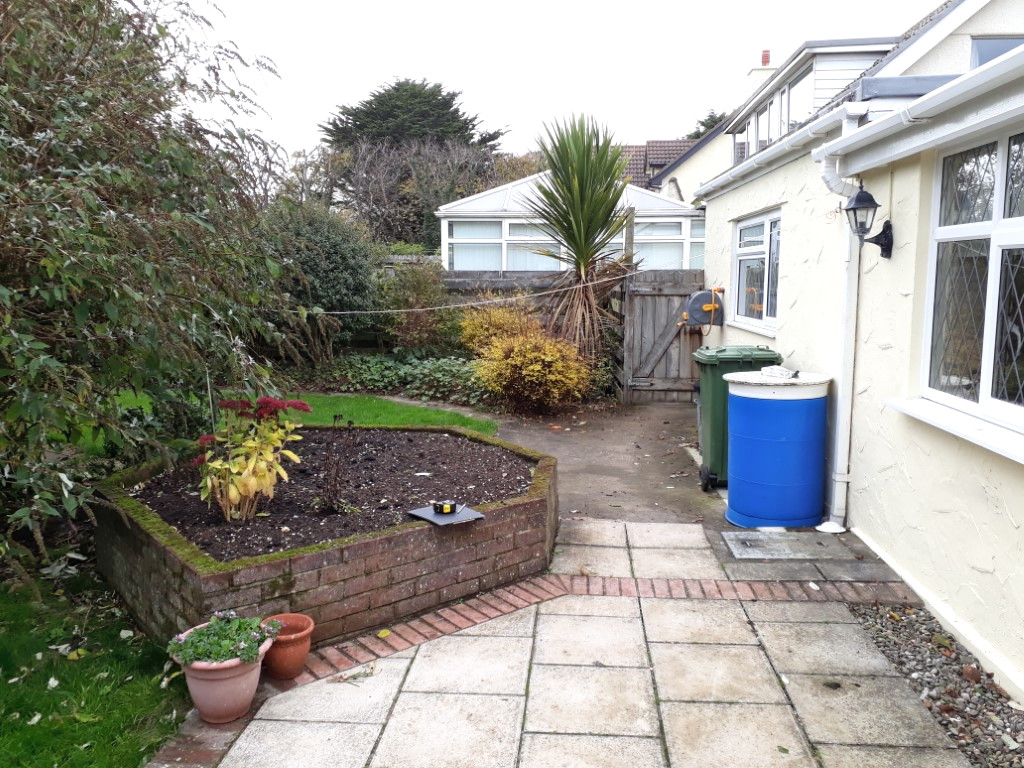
(760, 545)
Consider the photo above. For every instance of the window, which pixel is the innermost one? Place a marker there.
(800, 101)
(474, 255)
(696, 260)
(659, 244)
(524, 256)
(984, 49)
(756, 271)
(976, 351)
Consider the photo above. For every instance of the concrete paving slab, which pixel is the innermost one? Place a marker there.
(428, 730)
(457, 664)
(880, 711)
(598, 533)
(798, 613)
(727, 673)
(544, 750)
(779, 571)
(517, 624)
(590, 640)
(666, 535)
(823, 649)
(675, 564)
(762, 545)
(890, 757)
(584, 605)
(310, 745)
(857, 570)
(730, 735)
(591, 700)
(696, 621)
(591, 561)
(365, 696)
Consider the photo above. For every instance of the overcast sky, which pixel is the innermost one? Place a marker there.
(647, 69)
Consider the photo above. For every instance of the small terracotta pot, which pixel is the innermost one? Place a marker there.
(223, 690)
(287, 655)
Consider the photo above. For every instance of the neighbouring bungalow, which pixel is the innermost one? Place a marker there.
(493, 231)
(924, 343)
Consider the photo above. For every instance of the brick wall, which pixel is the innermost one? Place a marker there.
(362, 582)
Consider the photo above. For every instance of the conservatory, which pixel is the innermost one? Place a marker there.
(493, 231)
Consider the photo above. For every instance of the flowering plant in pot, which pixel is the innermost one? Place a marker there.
(221, 661)
(287, 655)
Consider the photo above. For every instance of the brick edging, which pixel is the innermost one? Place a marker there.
(200, 745)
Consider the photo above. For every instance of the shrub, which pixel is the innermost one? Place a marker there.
(480, 326)
(241, 462)
(533, 372)
(417, 285)
(362, 373)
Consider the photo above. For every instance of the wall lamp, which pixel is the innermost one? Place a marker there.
(860, 209)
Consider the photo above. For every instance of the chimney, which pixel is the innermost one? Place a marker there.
(766, 58)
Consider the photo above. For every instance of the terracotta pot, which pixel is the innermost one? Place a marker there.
(223, 691)
(287, 655)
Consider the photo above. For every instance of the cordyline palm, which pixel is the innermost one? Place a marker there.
(578, 206)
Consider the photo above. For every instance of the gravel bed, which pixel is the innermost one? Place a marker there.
(986, 725)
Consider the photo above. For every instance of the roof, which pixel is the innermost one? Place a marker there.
(644, 160)
(657, 179)
(508, 201)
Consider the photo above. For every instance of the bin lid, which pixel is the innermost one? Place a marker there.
(714, 355)
(755, 384)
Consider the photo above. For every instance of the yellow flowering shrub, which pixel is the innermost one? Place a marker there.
(480, 326)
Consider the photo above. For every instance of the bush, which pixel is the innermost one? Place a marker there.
(480, 326)
(362, 373)
(417, 285)
(533, 372)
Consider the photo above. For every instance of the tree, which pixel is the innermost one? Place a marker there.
(128, 253)
(706, 124)
(404, 111)
(577, 205)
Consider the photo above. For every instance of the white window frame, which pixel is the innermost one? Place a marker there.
(767, 324)
(1002, 234)
(680, 238)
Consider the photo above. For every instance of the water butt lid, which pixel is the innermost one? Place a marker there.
(755, 384)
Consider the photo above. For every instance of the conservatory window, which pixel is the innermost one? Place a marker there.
(486, 256)
(756, 272)
(976, 350)
(474, 230)
(524, 256)
(696, 260)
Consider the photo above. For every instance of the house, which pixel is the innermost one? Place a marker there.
(926, 348)
(494, 231)
(645, 160)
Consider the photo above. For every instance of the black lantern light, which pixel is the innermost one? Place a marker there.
(860, 209)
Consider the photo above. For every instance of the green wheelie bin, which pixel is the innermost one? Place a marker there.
(713, 403)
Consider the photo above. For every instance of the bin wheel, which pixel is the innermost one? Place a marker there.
(705, 478)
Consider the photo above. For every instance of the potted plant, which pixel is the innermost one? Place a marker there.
(287, 655)
(221, 661)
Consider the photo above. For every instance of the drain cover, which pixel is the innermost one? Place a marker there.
(760, 545)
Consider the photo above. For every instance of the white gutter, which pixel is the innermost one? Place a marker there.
(820, 128)
(978, 82)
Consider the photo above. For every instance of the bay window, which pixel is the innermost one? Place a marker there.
(976, 321)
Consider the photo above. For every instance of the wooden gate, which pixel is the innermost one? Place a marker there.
(656, 357)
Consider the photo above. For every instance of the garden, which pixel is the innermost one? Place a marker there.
(202, 344)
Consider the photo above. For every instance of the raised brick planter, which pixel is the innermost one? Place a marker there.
(346, 586)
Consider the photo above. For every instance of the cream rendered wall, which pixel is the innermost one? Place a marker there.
(709, 161)
(953, 54)
(947, 514)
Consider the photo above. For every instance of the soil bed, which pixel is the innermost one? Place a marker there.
(383, 474)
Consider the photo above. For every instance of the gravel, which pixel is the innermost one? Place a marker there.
(979, 716)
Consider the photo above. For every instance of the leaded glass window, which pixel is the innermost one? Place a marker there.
(958, 323)
(1014, 205)
(1008, 360)
(968, 184)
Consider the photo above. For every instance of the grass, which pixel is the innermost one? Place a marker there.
(367, 411)
(106, 709)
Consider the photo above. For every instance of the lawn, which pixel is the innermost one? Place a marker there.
(78, 685)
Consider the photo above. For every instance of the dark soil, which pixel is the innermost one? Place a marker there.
(379, 475)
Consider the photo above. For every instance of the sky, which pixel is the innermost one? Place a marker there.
(645, 69)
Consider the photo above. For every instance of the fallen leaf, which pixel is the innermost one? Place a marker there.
(52, 683)
(971, 673)
(34, 719)
(82, 717)
(76, 654)
(814, 586)
(895, 616)
(383, 633)
(858, 556)
(554, 427)
(126, 634)
(783, 750)
(832, 685)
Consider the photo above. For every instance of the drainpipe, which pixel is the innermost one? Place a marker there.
(844, 406)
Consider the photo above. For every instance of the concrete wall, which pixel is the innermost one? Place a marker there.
(944, 512)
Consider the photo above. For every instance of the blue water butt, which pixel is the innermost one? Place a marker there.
(776, 449)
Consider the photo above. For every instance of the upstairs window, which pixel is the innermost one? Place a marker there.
(984, 49)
